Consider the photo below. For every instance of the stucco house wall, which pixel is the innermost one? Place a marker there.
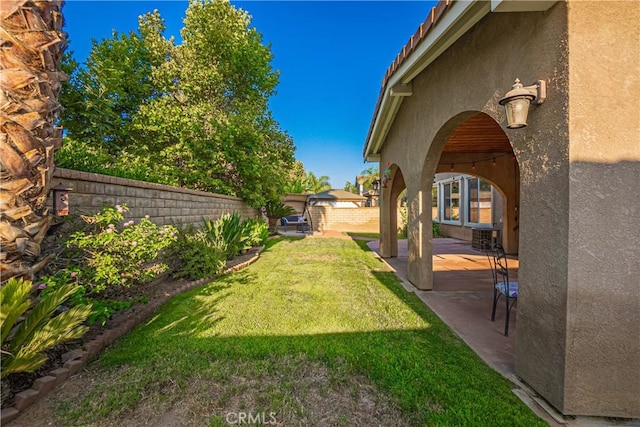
(472, 76)
(579, 303)
(603, 266)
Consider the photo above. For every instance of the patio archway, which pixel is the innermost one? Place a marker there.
(479, 147)
(395, 185)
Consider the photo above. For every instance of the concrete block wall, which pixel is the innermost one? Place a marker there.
(366, 220)
(164, 204)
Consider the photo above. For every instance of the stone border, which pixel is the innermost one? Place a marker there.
(75, 360)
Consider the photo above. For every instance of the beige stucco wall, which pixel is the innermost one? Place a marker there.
(603, 300)
(577, 245)
(163, 204)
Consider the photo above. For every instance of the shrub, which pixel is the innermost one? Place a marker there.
(436, 229)
(120, 254)
(404, 222)
(277, 210)
(228, 231)
(101, 309)
(23, 343)
(203, 253)
(256, 232)
(199, 255)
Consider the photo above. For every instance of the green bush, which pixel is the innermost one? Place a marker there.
(101, 309)
(277, 210)
(256, 232)
(228, 231)
(404, 221)
(436, 229)
(23, 342)
(199, 255)
(82, 156)
(119, 254)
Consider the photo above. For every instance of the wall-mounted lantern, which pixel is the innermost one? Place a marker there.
(516, 102)
(61, 199)
(376, 185)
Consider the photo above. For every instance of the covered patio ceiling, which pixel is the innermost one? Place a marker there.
(479, 134)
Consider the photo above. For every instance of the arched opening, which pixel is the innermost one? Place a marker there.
(477, 153)
(470, 188)
(393, 188)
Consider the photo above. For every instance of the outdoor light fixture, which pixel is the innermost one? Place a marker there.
(516, 102)
(376, 185)
(61, 199)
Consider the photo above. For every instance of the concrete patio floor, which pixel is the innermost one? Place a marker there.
(462, 297)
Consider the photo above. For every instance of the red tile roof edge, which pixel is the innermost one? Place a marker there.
(414, 41)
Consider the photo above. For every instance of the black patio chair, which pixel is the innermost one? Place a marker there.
(487, 248)
(502, 285)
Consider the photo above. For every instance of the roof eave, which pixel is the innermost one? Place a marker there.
(447, 22)
(456, 20)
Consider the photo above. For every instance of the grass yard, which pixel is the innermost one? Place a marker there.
(317, 332)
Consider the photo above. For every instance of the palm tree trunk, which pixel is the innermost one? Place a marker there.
(31, 46)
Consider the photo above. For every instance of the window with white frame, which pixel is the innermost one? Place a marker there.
(435, 215)
(451, 200)
(478, 201)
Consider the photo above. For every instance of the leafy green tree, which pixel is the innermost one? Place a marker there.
(302, 182)
(367, 177)
(297, 179)
(350, 187)
(102, 97)
(212, 118)
(317, 184)
(194, 115)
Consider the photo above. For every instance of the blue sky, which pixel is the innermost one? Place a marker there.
(332, 56)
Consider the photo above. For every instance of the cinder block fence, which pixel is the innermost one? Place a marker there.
(345, 219)
(164, 204)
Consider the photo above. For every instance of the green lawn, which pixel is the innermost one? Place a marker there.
(318, 332)
(363, 235)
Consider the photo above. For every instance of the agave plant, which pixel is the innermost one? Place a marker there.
(23, 342)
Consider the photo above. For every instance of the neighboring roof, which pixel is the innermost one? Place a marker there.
(445, 24)
(337, 195)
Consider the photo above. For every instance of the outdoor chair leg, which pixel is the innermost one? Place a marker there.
(506, 320)
(496, 295)
(509, 309)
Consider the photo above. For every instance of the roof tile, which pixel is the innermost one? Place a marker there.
(434, 15)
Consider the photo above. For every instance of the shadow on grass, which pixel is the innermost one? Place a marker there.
(432, 375)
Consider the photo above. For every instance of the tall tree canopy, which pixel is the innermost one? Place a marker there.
(194, 114)
(103, 97)
(302, 182)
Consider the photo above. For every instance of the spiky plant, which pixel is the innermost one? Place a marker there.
(23, 343)
(229, 230)
(31, 46)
